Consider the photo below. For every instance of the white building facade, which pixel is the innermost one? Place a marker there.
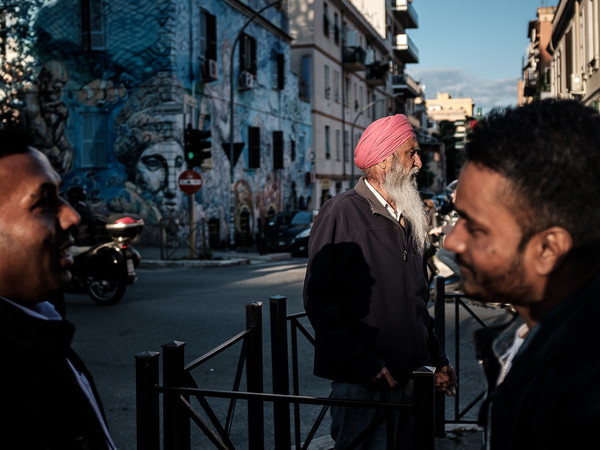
(575, 48)
(350, 57)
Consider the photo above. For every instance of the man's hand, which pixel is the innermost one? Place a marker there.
(446, 381)
(436, 231)
(384, 376)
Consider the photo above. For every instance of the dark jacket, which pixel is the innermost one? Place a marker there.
(41, 404)
(365, 293)
(550, 398)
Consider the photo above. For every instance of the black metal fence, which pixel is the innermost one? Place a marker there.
(459, 302)
(179, 390)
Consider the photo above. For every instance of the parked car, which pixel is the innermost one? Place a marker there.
(293, 236)
(275, 225)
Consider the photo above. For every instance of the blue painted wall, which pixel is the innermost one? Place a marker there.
(112, 120)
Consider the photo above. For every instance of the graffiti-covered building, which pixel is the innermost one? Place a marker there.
(119, 83)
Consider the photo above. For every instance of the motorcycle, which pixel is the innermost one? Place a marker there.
(104, 270)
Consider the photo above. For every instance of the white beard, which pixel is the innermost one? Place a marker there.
(401, 186)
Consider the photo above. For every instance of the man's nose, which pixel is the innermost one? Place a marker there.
(418, 161)
(453, 240)
(67, 216)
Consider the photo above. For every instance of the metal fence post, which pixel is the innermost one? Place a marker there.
(254, 376)
(279, 365)
(440, 329)
(147, 401)
(164, 244)
(175, 419)
(424, 408)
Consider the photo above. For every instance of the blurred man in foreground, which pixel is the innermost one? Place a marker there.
(47, 397)
(529, 234)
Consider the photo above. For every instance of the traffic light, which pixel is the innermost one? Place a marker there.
(197, 148)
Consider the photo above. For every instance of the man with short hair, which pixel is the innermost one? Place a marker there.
(47, 397)
(366, 292)
(528, 234)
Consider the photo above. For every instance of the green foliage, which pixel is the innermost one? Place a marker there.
(17, 56)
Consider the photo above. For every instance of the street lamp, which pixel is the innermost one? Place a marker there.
(232, 115)
(352, 131)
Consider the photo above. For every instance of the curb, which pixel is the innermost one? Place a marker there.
(190, 263)
(154, 264)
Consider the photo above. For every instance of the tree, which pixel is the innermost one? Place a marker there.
(17, 56)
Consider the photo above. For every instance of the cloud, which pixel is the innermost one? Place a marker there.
(486, 93)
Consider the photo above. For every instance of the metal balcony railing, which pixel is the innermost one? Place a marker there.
(406, 85)
(354, 58)
(406, 48)
(377, 74)
(405, 13)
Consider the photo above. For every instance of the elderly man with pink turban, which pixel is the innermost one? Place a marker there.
(366, 293)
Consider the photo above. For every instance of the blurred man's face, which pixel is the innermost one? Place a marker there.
(35, 225)
(486, 240)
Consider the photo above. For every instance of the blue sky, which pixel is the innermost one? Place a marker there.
(473, 48)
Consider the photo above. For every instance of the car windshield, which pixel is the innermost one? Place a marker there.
(282, 218)
(303, 217)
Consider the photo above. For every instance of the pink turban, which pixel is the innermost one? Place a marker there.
(382, 138)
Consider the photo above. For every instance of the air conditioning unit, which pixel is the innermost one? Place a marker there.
(246, 80)
(212, 69)
(576, 84)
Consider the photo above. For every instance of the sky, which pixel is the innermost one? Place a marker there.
(473, 48)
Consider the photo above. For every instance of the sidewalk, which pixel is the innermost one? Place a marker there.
(151, 258)
(458, 437)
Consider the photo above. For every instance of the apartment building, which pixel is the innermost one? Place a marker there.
(351, 58)
(445, 107)
(536, 80)
(129, 77)
(284, 88)
(575, 50)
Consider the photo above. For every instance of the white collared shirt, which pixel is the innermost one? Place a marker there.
(507, 358)
(386, 205)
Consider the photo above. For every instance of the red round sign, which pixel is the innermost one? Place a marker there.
(190, 181)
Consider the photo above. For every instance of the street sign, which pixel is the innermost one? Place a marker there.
(190, 181)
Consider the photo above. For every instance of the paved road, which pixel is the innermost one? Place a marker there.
(205, 306)
(200, 306)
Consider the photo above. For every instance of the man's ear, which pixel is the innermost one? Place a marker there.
(550, 248)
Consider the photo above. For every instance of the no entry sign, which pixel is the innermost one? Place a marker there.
(190, 181)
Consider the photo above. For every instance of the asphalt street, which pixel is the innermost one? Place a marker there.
(203, 305)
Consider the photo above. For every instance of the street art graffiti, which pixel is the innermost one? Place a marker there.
(150, 144)
(139, 93)
(46, 115)
(244, 212)
(101, 92)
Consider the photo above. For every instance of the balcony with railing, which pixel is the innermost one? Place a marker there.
(530, 81)
(354, 58)
(405, 13)
(377, 73)
(303, 90)
(405, 85)
(406, 49)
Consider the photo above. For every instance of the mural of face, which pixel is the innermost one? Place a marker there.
(157, 173)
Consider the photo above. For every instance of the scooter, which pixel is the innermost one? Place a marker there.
(103, 271)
